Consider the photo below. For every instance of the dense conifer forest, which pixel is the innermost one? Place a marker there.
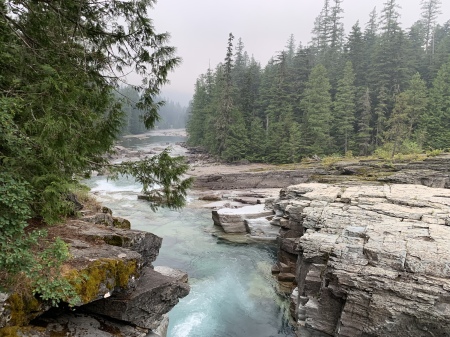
(378, 88)
(171, 115)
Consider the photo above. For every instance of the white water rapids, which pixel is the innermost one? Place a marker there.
(232, 290)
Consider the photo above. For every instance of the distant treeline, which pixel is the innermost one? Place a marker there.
(172, 115)
(378, 88)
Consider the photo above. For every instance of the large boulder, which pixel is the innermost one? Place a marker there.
(232, 220)
(153, 295)
(111, 270)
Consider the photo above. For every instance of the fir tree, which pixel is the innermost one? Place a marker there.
(316, 104)
(430, 12)
(223, 120)
(344, 109)
(437, 121)
(397, 130)
(381, 112)
(364, 130)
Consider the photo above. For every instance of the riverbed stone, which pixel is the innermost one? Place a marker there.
(232, 220)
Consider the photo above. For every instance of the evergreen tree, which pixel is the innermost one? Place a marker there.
(364, 130)
(322, 30)
(316, 104)
(257, 141)
(356, 54)
(381, 112)
(370, 44)
(250, 90)
(437, 121)
(60, 63)
(390, 67)
(344, 109)
(224, 120)
(430, 12)
(417, 102)
(397, 131)
(236, 141)
(196, 125)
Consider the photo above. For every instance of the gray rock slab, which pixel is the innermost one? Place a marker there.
(373, 260)
(154, 295)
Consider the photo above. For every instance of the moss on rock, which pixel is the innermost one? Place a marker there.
(102, 276)
(23, 308)
(121, 223)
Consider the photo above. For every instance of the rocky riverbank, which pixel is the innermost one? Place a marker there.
(429, 171)
(120, 292)
(367, 260)
(365, 254)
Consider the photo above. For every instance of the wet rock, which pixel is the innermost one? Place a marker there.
(153, 296)
(232, 220)
(176, 274)
(261, 228)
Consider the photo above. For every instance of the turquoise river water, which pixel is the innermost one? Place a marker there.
(232, 290)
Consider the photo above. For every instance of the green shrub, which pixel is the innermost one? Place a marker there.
(25, 254)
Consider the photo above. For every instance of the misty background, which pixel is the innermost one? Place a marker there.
(199, 30)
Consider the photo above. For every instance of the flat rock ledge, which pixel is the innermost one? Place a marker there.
(248, 219)
(111, 269)
(367, 260)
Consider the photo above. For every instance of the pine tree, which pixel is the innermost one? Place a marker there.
(65, 61)
(322, 30)
(356, 54)
(61, 62)
(417, 100)
(390, 66)
(316, 104)
(344, 109)
(381, 113)
(250, 90)
(224, 120)
(437, 121)
(236, 141)
(364, 129)
(430, 12)
(397, 130)
(257, 141)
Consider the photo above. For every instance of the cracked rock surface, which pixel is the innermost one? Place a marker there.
(370, 260)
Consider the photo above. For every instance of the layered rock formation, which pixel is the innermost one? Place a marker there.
(233, 220)
(367, 260)
(431, 172)
(120, 294)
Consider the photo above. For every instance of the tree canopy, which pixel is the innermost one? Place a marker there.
(377, 86)
(62, 61)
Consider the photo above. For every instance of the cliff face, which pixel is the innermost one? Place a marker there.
(367, 260)
(111, 269)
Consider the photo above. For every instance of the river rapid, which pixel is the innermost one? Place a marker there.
(232, 290)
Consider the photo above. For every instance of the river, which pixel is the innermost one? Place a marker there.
(232, 290)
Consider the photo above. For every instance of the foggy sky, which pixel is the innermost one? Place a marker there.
(199, 29)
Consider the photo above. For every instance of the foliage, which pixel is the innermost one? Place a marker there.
(20, 255)
(160, 176)
(62, 61)
(379, 84)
